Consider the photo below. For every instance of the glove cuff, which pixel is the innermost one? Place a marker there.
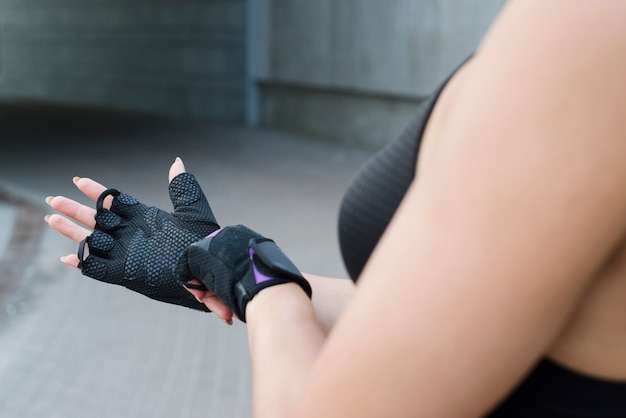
(269, 267)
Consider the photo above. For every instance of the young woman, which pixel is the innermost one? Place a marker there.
(490, 266)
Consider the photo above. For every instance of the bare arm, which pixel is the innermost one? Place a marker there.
(518, 208)
(330, 296)
(285, 339)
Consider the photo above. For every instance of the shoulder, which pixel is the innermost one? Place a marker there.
(560, 42)
(546, 87)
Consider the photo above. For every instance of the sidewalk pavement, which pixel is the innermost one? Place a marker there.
(72, 347)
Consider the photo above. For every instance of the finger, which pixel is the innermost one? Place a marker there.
(67, 228)
(178, 167)
(212, 302)
(81, 213)
(108, 221)
(100, 243)
(71, 260)
(92, 189)
(218, 308)
(99, 268)
(190, 203)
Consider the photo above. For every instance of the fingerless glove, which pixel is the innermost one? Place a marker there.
(137, 246)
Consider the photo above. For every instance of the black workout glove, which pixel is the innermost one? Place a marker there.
(137, 246)
(236, 263)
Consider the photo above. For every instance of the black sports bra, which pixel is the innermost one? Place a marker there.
(375, 193)
(370, 202)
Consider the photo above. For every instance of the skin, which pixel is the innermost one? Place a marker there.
(519, 204)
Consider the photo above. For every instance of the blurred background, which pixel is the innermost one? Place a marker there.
(350, 70)
(272, 104)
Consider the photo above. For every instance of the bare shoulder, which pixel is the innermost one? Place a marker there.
(587, 28)
(566, 49)
(555, 67)
(547, 82)
(563, 49)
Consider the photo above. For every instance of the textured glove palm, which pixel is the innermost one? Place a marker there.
(137, 246)
(235, 264)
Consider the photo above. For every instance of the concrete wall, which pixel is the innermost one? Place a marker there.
(177, 57)
(355, 70)
(350, 70)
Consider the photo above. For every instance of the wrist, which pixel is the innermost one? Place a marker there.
(286, 300)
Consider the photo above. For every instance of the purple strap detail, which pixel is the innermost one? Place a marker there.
(258, 276)
(214, 233)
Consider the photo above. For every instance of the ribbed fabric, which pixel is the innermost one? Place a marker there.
(377, 190)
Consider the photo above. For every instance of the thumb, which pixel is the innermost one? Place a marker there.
(188, 199)
(178, 167)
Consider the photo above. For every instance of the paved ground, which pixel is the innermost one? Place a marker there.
(73, 347)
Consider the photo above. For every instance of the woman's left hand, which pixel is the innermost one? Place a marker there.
(82, 222)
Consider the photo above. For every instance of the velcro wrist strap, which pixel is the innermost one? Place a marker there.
(270, 266)
(273, 259)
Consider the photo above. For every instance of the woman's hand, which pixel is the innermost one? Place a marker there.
(83, 221)
(236, 263)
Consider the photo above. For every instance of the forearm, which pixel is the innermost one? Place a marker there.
(330, 296)
(285, 338)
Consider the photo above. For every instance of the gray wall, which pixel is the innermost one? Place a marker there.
(350, 70)
(177, 57)
(355, 70)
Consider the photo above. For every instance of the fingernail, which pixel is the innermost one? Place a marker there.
(178, 160)
(49, 199)
(76, 180)
(228, 322)
(46, 218)
(63, 259)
